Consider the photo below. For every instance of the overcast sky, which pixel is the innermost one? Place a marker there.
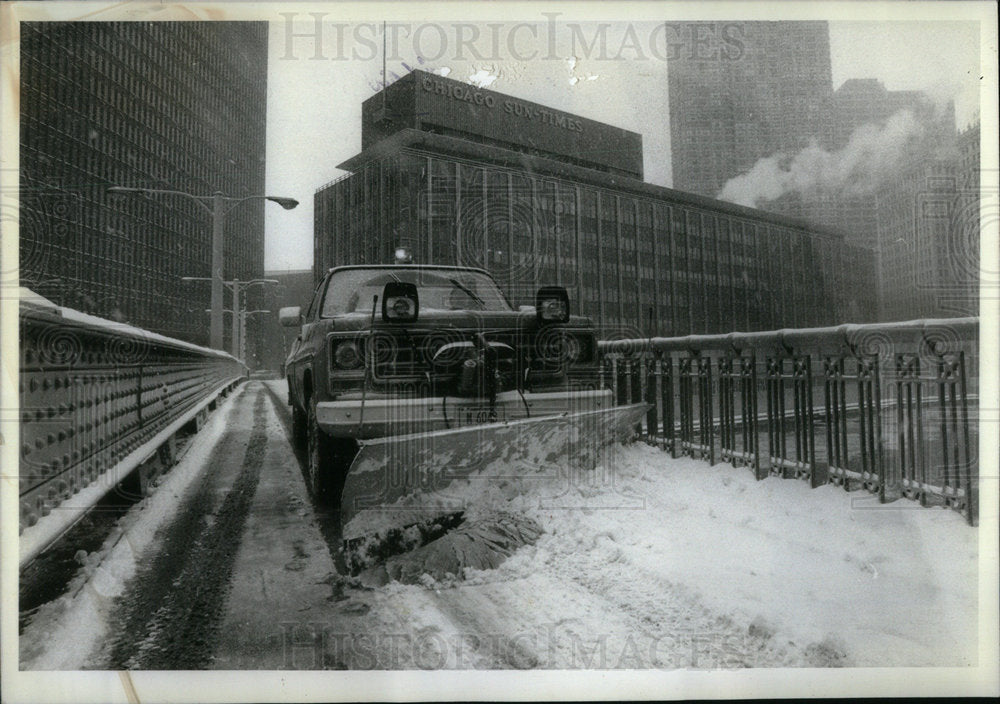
(316, 86)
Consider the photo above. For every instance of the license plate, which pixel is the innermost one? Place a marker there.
(478, 415)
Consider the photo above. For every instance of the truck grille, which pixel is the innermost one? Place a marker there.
(412, 354)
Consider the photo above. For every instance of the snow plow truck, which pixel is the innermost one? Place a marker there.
(417, 388)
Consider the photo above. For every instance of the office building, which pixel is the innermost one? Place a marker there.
(928, 230)
(741, 91)
(470, 176)
(166, 105)
(873, 135)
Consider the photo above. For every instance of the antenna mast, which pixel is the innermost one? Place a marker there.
(383, 68)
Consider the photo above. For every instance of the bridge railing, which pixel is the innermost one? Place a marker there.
(94, 396)
(890, 408)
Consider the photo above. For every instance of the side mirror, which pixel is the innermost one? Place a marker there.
(552, 304)
(400, 303)
(290, 317)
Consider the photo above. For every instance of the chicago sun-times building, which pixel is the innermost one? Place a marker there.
(536, 196)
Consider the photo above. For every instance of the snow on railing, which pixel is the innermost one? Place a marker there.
(98, 398)
(885, 407)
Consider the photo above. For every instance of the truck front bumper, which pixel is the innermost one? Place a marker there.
(381, 417)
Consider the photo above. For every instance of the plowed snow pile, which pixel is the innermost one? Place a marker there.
(482, 544)
(677, 549)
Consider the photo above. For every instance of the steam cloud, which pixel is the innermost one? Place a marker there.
(869, 157)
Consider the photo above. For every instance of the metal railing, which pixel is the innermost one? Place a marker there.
(890, 408)
(94, 393)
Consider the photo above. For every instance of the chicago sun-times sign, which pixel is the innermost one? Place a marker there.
(465, 93)
(428, 102)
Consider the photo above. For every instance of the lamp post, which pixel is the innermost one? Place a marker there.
(239, 348)
(234, 286)
(243, 330)
(215, 205)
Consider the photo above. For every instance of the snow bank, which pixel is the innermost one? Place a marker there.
(896, 584)
(818, 577)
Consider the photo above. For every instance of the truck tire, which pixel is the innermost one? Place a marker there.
(300, 427)
(319, 454)
(328, 461)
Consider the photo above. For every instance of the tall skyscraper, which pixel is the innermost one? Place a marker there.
(167, 105)
(928, 233)
(866, 101)
(891, 182)
(870, 135)
(740, 91)
(746, 91)
(754, 120)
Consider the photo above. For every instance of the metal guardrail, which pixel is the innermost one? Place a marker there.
(883, 407)
(94, 393)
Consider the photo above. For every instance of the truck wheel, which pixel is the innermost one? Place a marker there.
(320, 458)
(300, 427)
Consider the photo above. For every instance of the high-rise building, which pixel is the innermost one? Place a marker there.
(474, 177)
(166, 105)
(877, 165)
(963, 260)
(740, 91)
(866, 101)
(928, 231)
(844, 197)
(892, 182)
(745, 91)
(872, 135)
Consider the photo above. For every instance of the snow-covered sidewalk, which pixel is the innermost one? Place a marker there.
(848, 581)
(663, 563)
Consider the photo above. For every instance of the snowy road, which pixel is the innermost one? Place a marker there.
(650, 563)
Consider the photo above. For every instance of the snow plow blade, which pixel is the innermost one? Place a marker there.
(402, 490)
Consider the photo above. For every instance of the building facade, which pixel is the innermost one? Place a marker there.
(637, 258)
(881, 151)
(167, 105)
(866, 101)
(741, 91)
(928, 230)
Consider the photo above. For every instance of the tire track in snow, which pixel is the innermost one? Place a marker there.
(574, 615)
(168, 617)
(328, 515)
(678, 628)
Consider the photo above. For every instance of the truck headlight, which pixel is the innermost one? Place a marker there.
(346, 355)
(552, 305)
(572, 349)
(560, 347)
(400, 302)
(400, 308)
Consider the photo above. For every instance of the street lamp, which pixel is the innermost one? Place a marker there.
(214, 204)
(243, 330)
(240, 337)
(234, 286)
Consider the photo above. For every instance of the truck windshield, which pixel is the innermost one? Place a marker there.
(354, 290)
